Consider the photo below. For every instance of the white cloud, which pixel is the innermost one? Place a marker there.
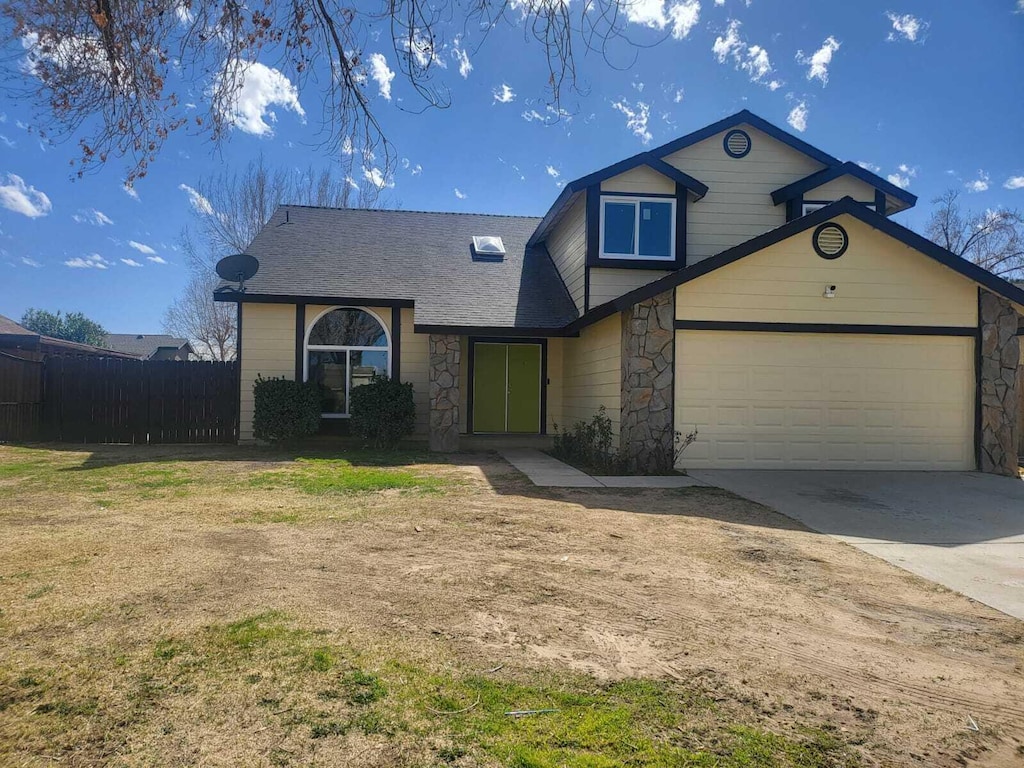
(199, 203)
(752, 59)
(262, 88)
(17, 196)
(89, 261)
(376, 177)
(140, 247)
(552, 172)
(636, 118)
(460, 55)
(677, 97)
(681, 16)
(903, 176)
(30, 262)
(7, 142)
(422, 50)
(92, 216)
(979, 184)
(346, 146)
(1015, 182)
(907, 26)
(504, 94)
(818, 62)
(869, 166)
(460, 194)
(382, 75)
(553, 115)
(156, 259)
(130, 263)
(798, 117)
(130, 191)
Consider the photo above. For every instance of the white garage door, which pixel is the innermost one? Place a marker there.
(825, 401)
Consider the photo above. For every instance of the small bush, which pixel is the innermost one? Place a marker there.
(383, 412)
(285, 409)
(589, 444)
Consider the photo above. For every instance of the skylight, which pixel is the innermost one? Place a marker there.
(488, 247)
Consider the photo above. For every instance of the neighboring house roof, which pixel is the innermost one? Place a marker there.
(815, 180)
(145, 345)
(18, 336)
(845, 206)
(397, 258)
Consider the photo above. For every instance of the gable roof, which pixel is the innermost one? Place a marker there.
(816, 180)
(846, 205)
(144, 345)
(20, 337)
(10, 328)
(745, 116)
(653, 159)
(402, 258)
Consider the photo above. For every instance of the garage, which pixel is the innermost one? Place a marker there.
(772, 400)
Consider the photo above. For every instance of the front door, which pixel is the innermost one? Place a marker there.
(506, 387)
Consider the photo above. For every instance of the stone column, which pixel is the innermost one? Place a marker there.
(445, 358)
(1000, 400)
(646, 436)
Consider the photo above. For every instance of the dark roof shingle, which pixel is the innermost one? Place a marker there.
(142, 344)
(415, 256)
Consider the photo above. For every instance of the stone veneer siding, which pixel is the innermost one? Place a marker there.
(445, 359)
(646, 434)
(1000, 400)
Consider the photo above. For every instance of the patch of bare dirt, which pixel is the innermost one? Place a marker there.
(692, 584)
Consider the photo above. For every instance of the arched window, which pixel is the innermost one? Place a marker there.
(345, 347)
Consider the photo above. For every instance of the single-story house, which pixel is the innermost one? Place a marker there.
(737, 280)
(18, 340)
(150, 346)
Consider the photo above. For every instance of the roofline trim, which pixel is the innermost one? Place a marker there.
(502, 331)
(846, 205)
(280, 298)
(817, 179)
(748, 117)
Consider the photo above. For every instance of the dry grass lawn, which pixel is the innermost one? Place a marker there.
(246, 607)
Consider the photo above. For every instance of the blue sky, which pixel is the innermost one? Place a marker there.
(927, 94)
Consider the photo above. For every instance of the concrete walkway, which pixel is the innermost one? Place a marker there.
(548, 472)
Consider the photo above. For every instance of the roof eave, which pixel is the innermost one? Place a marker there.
(819, 178)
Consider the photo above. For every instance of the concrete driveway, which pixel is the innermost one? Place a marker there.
(963, 530)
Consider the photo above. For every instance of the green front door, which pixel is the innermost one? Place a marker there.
(506, 387)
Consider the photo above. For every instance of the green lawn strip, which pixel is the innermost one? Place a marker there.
(326, 476)
(311, 688)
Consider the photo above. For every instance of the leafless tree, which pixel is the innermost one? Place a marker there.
(228, 210)
(122, 72)
(993, 239)
(209, 325)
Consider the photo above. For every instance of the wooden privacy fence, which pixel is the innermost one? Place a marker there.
(21, 395)
(119, 400)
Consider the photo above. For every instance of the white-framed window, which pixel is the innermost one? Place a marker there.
(343, 349)
(638, 228)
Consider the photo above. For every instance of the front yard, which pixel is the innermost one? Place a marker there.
(236, 607)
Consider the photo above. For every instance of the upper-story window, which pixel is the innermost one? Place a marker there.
(638, 228)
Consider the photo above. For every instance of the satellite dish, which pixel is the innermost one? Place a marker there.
(238, 267)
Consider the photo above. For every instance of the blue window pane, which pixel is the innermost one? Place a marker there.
(619, 223)
(656, 230)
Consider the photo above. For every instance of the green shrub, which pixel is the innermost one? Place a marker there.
(285, 409)
(383, 411)
(589, 444)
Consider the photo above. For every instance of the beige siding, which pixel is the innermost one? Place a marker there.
(642, 179)
(592, 372)
(555, 383)
(415, 368)
(878, 281)
(825, 401)
(567, 244)
(738, 205)
(268, 350)
(844, 186)
(608, 284)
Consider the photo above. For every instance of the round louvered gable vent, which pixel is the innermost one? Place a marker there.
(737, 143)
(830, 241)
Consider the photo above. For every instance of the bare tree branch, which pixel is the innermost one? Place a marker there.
(993, 239)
